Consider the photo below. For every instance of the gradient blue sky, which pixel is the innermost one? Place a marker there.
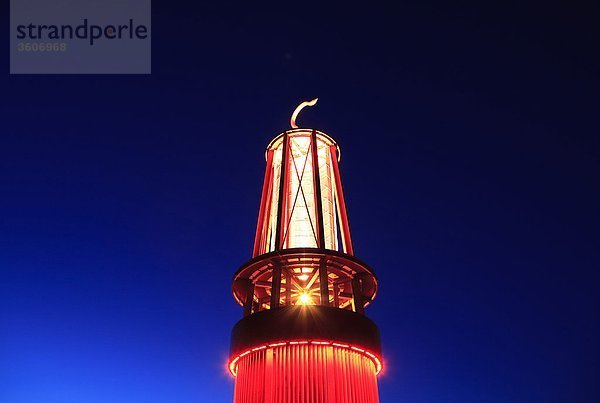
(470, 159)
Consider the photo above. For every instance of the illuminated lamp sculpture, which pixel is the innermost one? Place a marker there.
(304, 337)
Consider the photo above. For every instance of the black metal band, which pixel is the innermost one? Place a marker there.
(310, 322)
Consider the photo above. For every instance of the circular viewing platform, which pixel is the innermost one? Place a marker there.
(304, 276)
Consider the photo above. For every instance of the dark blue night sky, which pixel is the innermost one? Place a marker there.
(470, 160)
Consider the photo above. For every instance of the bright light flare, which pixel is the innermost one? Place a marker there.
(304, 299)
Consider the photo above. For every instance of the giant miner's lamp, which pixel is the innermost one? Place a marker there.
(304, 336)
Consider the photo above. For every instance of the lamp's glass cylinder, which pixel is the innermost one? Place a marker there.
(297, 200)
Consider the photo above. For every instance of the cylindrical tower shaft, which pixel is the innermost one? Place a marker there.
(305, 373)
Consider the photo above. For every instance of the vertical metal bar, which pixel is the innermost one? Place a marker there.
(341, 204)
(249, 298)
(288, 287)
(276, 286)
(261, 228)
(324, 282)
(336, 296)
(282, 194)
(265, 242)
(317, 191)
(357, 296)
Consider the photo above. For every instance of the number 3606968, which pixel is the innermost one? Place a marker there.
(41, 47)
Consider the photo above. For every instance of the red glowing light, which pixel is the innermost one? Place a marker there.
(376, 361)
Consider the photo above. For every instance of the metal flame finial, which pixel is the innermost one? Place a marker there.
(298, 109)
